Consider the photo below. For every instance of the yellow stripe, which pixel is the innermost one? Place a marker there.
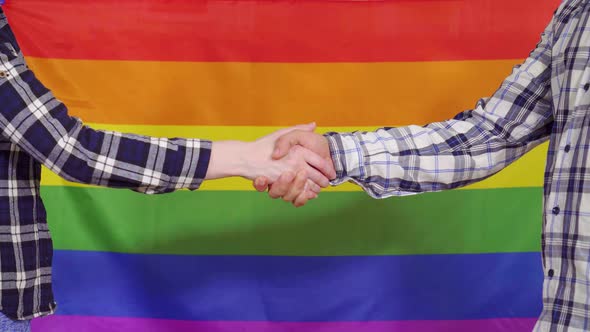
(526, 172)
(266, 94)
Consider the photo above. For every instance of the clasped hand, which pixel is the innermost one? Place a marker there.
(293, 163)
(303, 182)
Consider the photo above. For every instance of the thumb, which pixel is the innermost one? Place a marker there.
(284, 143)
(260, 183)
(307, 127)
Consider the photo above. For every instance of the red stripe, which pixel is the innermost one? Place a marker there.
(279, 31)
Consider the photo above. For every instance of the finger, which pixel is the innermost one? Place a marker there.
(302, 199)
(321, 164)
(280, 187)
(260, 183)
(313, 187)
(297, 187)
(317, 177)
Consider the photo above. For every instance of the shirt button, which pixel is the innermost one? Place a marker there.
(3, 74)
(550, 273)
(586, 86)
(555, 210)
(567, 148)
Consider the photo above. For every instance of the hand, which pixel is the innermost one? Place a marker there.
(290, 188)
(253, 160)
(294, 159)
(307, 139)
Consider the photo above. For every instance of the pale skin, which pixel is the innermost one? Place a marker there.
(291, 188)
(298, 165)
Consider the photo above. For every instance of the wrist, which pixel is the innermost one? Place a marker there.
(335, 142)
(228, 158)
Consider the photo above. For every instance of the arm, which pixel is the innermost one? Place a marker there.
(473, 146)
(34, 120)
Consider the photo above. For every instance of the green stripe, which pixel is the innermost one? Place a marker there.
(338, 223)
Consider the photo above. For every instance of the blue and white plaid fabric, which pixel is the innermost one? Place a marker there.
(546, 97)
(35, 129)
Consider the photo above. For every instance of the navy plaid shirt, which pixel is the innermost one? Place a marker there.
(546, 97)
(36, 129)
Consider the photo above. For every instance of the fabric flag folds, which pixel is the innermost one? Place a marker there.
(226, 258)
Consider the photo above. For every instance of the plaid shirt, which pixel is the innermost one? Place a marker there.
(36, 129)
(546, 97)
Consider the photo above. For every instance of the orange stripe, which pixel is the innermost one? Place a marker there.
(268, 94)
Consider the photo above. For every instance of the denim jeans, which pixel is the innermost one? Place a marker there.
(9, 325)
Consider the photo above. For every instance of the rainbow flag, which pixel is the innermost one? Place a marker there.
(228, 259)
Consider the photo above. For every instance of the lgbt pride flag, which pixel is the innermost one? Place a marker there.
(228, 259)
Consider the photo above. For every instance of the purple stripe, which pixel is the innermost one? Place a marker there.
(108, 324)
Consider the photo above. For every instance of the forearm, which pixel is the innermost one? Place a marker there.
(385, 166)
(33, 119)
(118, 160)
(228, 158)
(444, 155)
(244, 159)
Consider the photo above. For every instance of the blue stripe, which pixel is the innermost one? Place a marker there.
(254, 288)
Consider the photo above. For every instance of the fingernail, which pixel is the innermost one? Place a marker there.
(277, 151)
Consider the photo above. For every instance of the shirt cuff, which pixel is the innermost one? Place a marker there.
(347, 155)
(195, 164)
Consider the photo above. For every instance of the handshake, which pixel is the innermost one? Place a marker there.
(292, 163)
